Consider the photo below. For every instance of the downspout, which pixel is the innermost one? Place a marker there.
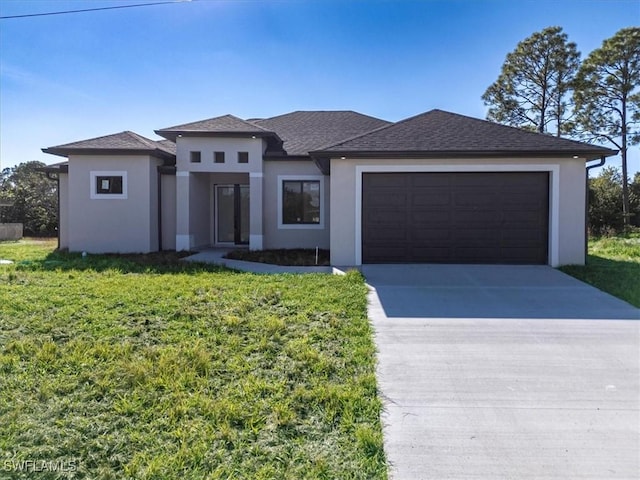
(586, 207)
(57, 180)
(159, 179)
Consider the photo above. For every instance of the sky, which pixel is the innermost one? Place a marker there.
(77, 76)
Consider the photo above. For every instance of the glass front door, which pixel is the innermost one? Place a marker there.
(232, 214)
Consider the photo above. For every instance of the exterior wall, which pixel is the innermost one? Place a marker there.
(208, 145)
(567, 200)
(168, 209)
(301, 236)
(63, 231)
(115, 225)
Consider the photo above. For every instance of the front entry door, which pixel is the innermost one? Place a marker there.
(232, 214)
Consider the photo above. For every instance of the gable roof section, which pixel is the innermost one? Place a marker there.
(445, 134)
(217, 126)
(118, 143)
(304, 131)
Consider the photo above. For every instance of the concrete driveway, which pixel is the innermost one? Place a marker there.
(501, 372)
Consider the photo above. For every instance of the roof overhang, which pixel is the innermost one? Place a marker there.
(174, 134)
(323, 157)
(66, 152)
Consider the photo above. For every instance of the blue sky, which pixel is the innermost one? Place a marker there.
(71, 77)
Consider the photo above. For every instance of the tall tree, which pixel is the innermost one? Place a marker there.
(532, 91)
(34, 198)
(607, 99)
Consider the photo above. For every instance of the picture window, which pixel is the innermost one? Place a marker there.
(300, 202)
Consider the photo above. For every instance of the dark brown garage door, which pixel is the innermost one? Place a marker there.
(495, 217)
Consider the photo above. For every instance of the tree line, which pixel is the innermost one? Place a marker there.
(27, 196)
(543, 86)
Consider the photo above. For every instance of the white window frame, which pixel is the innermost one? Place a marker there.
(300, 226)
(93, 190)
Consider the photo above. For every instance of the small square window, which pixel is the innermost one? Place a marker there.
(196, 157)
(109, 185)
(243, 157)
(218, 157)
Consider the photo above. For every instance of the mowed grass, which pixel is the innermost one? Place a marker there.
(133, 368)
(613, 266)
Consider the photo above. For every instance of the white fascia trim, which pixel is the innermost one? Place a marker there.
(306, 226)
(94, 195)
(554, 194)
(256, 174)
(182, 173)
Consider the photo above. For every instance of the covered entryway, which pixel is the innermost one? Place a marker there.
(455, 217)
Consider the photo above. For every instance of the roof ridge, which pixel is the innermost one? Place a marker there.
(226, 115)
(147, 141)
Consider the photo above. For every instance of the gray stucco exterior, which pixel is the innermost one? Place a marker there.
(170, 199)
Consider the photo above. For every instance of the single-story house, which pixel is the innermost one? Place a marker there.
(436, 187)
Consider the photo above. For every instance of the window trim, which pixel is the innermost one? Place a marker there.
(93, 186)
(243, 162)
(219, 153)
(300, 178)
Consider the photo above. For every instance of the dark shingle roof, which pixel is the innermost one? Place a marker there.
(304, 131)
(217, 125)
(167, 145)
(439, 132)
(123, 142)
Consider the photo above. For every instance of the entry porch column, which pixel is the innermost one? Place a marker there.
(184, 238)
(255, 210)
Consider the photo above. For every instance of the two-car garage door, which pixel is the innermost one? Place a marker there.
(470, 217)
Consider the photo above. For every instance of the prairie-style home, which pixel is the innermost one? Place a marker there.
(437, 187)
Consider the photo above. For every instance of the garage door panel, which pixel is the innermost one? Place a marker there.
(474, 217)
(435, 197)
(392, 235)
(386, 215)
(468, 237)
(431, 234)
(429, 217)
(475, 198)
(387, 198)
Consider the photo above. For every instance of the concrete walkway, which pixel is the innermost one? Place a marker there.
(499, 372)
(216, 256)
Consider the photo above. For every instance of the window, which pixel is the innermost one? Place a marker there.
(196, 157)
(218, 157)
(243, 157)
(108, 185)
(300, 202)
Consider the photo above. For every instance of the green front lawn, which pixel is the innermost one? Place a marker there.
(144, 367)
(613, 265)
